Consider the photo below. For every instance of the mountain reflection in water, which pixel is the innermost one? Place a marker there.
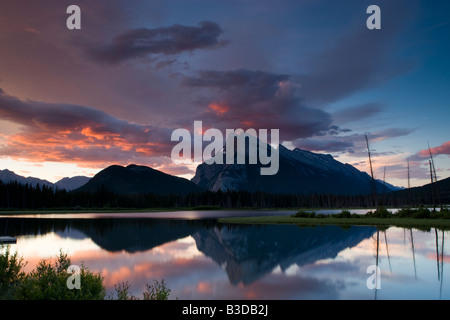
(247, 252)
(251, 257)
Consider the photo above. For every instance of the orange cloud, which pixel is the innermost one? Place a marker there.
(77, 134)
(218, 108)
(204, 287)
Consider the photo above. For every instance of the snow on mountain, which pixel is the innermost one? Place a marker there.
(300, 171)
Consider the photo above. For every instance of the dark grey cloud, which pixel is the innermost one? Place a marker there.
(142, 42)
(356, 113)
(262, 81)
(255, 99)
(390, 133)
(354, 144)
(326, 145)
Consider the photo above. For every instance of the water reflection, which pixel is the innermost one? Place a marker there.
(201, 259)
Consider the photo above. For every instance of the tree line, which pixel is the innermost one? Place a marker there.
(14, 195)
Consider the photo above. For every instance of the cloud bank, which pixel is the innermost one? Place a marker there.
(73, 133)
(142, 42)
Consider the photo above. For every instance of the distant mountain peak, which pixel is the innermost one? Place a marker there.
(72, 183)
(137, 179)
(7, 176)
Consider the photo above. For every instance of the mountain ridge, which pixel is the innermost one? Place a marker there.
(67, 183)
(300, 172)
(135, 179)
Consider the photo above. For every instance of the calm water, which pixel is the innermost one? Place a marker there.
(201, 259)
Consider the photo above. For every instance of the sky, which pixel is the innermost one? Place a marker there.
(73, 102)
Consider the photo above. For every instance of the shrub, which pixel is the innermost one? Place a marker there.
(156, 291)
(344, 214)
(422, 213)
(123, 291)
(405, 213)
(305, 214)
(49, 282)
(443, 214)
(380, 213)
(11, 273)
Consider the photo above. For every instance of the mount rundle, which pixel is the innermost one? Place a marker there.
(300, 172)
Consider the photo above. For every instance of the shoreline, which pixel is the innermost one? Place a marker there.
(361, 221)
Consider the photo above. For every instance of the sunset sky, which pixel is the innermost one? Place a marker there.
(75, 101)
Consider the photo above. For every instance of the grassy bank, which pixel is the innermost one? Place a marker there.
(414, 218)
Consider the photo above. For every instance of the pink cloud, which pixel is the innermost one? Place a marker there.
(442, 149)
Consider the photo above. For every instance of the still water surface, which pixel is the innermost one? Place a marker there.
(202, 259)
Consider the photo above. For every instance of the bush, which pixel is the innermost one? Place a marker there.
(422, 213)
(443, 214)
(49, 282)
(156, 291)
(305, 214)
(11, 273)
(405, 213)
(344, 214)
(380, 213)
(123, 292)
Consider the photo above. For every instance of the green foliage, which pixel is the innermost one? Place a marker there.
(11, 273)
(344, 214)
(122, 291)
(47, 281)
(404, 213)
(305, 214)
(420, 213)
(443, 214)
(156, 291)
(380, 213)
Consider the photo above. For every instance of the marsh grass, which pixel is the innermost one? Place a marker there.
(418, 218)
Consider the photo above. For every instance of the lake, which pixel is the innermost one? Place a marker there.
(201, 259)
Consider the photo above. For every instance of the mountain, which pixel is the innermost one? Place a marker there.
(390, 187)
(247, 253)
(427, 194)
(73, 183)
(135, 179)
(300, 172)
(7, 176)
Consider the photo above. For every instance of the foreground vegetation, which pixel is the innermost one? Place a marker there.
(419, 218)
(49, 281)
